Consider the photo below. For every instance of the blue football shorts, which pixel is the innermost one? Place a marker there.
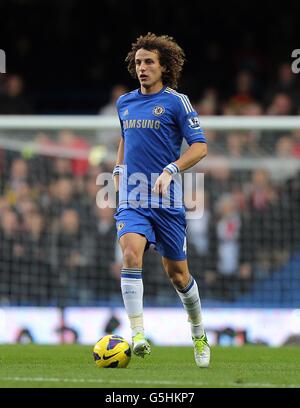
(165, 228)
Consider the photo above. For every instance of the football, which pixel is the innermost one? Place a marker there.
(112, 351)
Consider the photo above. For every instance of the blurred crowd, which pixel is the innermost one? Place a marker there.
(249, 97)
(246, 95)
(249, 229)
(58, 247)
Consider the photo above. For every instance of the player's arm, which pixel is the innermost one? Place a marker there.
(119, 161)
(190, 157)
(120, 154)
(196, 152)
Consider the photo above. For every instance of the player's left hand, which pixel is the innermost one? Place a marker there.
(162, 183)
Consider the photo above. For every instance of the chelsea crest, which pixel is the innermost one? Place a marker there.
(158, 110)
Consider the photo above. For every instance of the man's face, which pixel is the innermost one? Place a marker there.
(148, 69)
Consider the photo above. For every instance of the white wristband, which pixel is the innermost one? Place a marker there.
(172, 168)
(116, 170)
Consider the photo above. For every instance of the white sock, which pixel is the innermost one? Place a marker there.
(191, 302)
(132, 292)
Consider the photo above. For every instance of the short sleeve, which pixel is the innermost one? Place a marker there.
(188, 122)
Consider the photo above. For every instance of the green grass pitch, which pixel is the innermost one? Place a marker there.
(72, 366)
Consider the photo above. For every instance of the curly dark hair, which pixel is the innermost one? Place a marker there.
(170, 55)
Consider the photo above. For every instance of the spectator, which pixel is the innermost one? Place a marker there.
(290, 196)
(296, 143)
(13, 101)
(12, 253)
(62, 196)
(105, 268)
(110, 108)
(260, 191)
(75, 254)
(252, 109)
(19, 173)
(235, 144)
(226, 246)
(11, 247)
(91, 190)
(284, 147)
(263, 234)
(69, 141)
(110, 137)
(218, 179)
(227, 229)
(40, 284)
(229, 109)
(26, 207)
(286, 84)
(281, 104)
(4, 205)
(36, 239)
(18, 186)
(198, 229)
(244, 92)
(208, 104)
(61, 168)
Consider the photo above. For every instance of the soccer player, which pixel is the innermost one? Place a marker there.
(154, 120)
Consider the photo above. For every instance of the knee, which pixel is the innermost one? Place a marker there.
(132, 258)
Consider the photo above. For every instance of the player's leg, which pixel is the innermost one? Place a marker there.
(187, 289)
(133, 246)
(170, 232)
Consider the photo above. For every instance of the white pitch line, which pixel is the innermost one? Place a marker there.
(148, 382)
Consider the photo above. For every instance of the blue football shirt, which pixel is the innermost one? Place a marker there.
(153, 127)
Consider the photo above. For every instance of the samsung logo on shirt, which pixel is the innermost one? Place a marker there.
(141, 124)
